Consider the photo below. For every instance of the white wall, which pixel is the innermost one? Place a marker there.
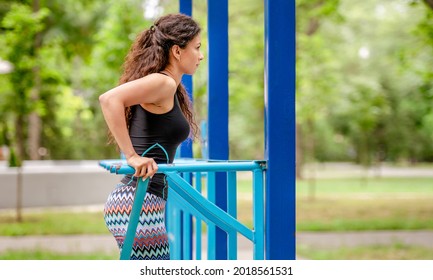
(56, 183)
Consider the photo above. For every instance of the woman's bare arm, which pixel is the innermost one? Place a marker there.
(153, 88)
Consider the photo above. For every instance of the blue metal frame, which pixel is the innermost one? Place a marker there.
(218, 141)
(186, 149)
(280, 146)
(185, 7)
(191, 201)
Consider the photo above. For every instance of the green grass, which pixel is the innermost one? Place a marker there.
(359, 204)
(337, 205)
(53, 223)
(395, 251)
(356, 214)
(48, 255)
(370, 186)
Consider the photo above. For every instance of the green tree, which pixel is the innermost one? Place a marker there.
(57, 48)
(246, 80)
(363, 83)
(316, 75)
(22, 27)
(111, 44)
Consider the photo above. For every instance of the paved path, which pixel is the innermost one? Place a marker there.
(326, 240)
(105, 243)
(91, 243)
(61, 244)
(350, 170)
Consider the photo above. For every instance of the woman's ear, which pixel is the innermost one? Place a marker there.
(176, 52)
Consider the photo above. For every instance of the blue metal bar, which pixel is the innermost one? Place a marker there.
(187, 235)
(211, 233)
(199, 218)
(183, 197)
(169, 214)
(140, 194)
(232, 211)
(185, 7)
(120, 167)
(170, 220)
(182, 203)
(185, 150)
(280, 61)
(221, 238)
(176, 253)
(258, 215)
(187, 226)
(218, 140)
(198, 187)
(208, 210)
(232, 196)
(180, 247)
(218, 79)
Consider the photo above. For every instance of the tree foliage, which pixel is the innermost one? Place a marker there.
(361, 74)
(364, 76)
(22, 26)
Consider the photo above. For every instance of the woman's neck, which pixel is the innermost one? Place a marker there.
(171, 72)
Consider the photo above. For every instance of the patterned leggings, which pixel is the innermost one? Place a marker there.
(150, 242)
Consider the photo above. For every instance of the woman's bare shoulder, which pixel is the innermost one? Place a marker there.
(161, 81)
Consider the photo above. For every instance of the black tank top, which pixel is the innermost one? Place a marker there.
(168, 130)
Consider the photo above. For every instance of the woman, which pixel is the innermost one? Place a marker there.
(150, 107)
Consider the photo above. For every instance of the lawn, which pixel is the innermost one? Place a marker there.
(337, 205)
(396, 251)
(371, 187)
(356, 204)
(39, 254)
(328, 205)
(53, 223)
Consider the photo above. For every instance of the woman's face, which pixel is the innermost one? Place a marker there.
(191, 56)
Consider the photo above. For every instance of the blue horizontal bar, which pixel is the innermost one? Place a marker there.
(208, 209)
(121, 167)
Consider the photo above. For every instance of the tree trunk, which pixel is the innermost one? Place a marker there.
(429, 3)
(19, 206)
(311, 152)
(34, 135)
(313, 26)
(299, 152)
(19, 137)
(20, 155)
(34, 138)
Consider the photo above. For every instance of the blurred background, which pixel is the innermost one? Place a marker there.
(364, 121)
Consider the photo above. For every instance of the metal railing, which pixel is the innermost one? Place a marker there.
(187, 208)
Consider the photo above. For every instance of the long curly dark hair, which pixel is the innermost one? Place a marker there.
(150, 53)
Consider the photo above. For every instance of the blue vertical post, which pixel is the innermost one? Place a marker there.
(218, 93)
(185, 7)
(280, 145)
(185, 151)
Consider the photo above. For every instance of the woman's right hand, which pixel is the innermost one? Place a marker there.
(144, 167)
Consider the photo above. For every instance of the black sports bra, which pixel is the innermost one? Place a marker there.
(168, 130)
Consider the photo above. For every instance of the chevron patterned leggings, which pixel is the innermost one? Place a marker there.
(151, 242)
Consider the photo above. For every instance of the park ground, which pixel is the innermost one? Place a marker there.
(387, 240)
